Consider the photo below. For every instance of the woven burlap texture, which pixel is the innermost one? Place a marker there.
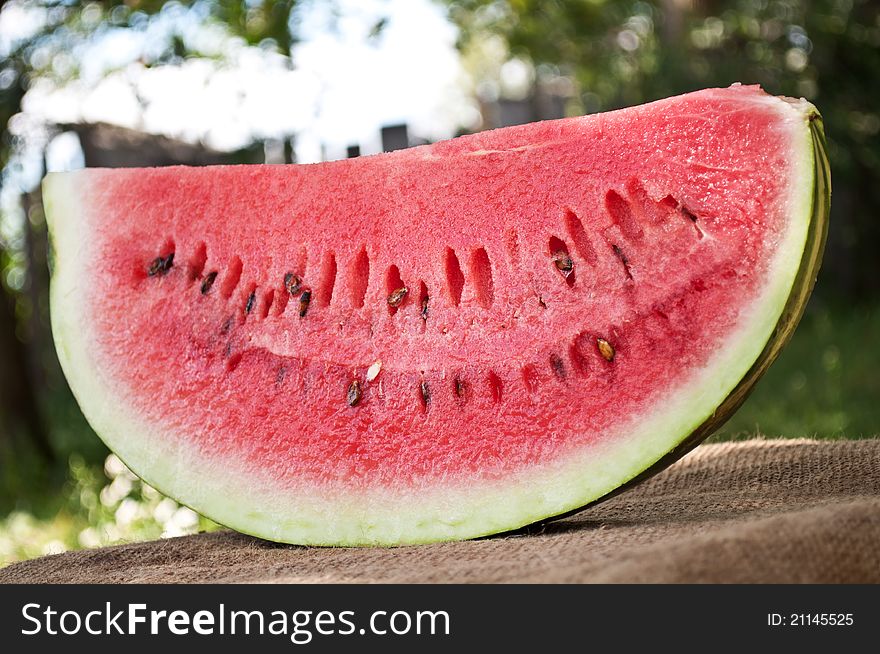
(752, 512)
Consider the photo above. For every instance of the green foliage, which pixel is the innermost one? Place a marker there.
(65, 27)
(824, 384)
(95, 507)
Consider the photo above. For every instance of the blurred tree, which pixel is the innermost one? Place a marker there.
(42, 41)
(626, 52)
(61, 26)
(19, 413)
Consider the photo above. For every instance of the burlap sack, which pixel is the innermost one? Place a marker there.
(756, 511)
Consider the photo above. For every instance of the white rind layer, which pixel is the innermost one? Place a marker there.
(251, 502)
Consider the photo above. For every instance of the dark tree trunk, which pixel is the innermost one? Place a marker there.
(19, 413)
(38, 334)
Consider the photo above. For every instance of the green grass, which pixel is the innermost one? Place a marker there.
(94, 505)
(825, 384)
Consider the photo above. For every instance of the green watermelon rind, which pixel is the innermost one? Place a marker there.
(224, 490)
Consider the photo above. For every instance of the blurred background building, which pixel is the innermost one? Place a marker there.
(143, 82)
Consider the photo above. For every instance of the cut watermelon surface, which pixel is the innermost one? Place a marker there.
(444, 342)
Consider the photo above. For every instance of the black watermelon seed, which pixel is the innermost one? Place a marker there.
(558, 365)
(249, 305)
(426, 392)
(563, 262)
(292, 283)
(304, 301)
(354, 394)
(623, 259)
(160, 265)
(396, 298)
(208, 282)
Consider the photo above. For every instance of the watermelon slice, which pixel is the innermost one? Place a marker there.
(443, 342)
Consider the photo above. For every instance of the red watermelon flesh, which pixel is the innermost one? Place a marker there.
(444, 342)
